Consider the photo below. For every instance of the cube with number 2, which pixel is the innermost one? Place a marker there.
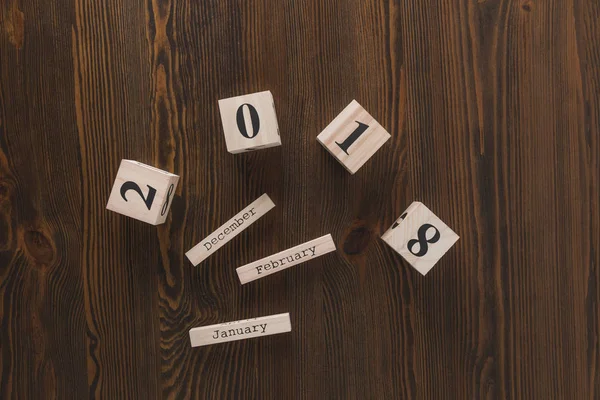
(420, 237)
(142, 192)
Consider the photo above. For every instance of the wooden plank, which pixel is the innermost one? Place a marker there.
(240, 330)
(285, 259)
(230, 229)
(494, 112)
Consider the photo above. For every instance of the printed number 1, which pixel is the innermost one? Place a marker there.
(353, 136)
(129, 185)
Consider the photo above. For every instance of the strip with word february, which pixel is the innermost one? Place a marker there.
(230, 229)
(286, 259)
(239, 330)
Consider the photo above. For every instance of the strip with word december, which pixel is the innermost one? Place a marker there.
(286, 259)
(230, 229)
(239, 330)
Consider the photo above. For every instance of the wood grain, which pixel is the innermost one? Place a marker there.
(494, 111)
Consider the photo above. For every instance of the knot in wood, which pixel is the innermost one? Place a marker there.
(357, 240)
(39, 247)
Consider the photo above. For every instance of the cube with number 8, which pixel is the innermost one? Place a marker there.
(142, 192)
(249, 122)
(420, 237)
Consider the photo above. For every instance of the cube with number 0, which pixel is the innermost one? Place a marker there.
(142, 192)
(249, 122)
(420, 237)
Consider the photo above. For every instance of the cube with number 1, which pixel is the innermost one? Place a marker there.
(142, 192)
(353, 137)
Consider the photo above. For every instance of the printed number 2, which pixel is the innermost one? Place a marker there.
(133, 186)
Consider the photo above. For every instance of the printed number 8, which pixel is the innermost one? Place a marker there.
(422, 240)
(165, 206)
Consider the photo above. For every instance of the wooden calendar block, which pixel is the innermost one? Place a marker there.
(420, 237)
(286, 259)
(249, 122)
(230, 229)
(353, 137)
(142, 192)
(239, 330)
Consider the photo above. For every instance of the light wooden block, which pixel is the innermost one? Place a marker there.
(420, 237)
(353, 137)
(239, 330)
(142, 192)
(286, 259)
(230, 229)
(249, 122)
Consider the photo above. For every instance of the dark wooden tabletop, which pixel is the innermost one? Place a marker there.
(494, 111)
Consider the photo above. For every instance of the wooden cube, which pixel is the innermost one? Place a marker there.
(353, 137)
(249, 122)
(142, 192)
(420, 237)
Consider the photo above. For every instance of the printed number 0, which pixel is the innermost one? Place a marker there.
(133, 186)
(165, 206)
(241, 121)
(422, 240)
